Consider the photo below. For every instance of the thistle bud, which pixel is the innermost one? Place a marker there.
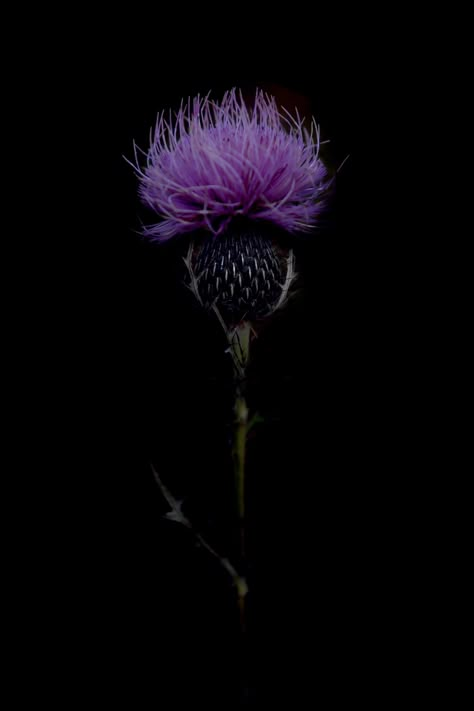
(242, 272)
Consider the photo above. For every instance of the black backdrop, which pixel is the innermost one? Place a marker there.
(133, 608)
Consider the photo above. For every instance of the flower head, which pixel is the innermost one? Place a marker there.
(215, 162)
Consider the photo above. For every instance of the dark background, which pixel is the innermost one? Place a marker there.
(137, 374)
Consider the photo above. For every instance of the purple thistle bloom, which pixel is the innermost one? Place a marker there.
(219, 161)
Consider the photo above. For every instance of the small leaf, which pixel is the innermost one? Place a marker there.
(255, 420)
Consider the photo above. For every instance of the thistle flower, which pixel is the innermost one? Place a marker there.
(235, 180)
(215, 162)
(227, 174)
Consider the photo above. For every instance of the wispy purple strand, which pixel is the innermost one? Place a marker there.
(214, 162)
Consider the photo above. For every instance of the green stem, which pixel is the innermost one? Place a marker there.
(240, 351)
(240, 444)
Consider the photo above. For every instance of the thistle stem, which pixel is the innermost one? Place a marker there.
(239, 341)
(240, 444)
